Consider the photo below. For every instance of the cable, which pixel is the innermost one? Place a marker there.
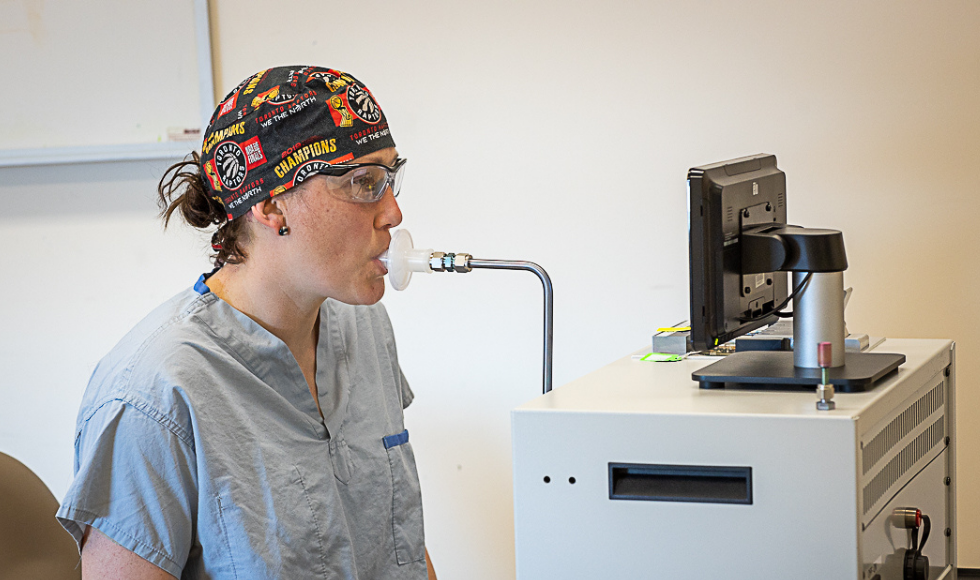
(777, 311)
(927, 525)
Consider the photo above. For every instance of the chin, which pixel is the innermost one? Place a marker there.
(378, 296)
(371, 294)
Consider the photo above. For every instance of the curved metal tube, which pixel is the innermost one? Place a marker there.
(549, 303)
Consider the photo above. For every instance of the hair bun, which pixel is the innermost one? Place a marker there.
(182, 187)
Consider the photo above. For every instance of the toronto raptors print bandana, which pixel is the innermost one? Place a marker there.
(282, 124)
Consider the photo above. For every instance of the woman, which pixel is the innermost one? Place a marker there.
(251, 427)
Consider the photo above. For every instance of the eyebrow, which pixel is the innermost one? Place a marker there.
(379, 160)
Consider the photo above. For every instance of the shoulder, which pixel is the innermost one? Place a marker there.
(143, 369)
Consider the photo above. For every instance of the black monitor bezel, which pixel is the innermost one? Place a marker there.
(713, 191)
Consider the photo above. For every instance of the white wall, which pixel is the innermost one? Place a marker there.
(558, 132)
(104, 52)
(83, 260)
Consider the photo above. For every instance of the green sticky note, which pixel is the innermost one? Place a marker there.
(661, 357)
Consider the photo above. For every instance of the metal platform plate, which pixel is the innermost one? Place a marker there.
(775, 370)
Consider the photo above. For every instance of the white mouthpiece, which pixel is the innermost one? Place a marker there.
(402, 259)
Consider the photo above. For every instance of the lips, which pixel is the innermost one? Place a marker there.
(383, 259)
(382, 256)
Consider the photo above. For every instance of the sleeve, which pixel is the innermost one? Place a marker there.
(135, 481)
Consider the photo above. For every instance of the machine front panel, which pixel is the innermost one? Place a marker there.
(797, 518)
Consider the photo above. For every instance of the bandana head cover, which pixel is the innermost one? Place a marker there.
(282, 124)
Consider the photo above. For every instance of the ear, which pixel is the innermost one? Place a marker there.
(268, 214)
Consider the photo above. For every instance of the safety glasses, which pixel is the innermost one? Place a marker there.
(364, 182)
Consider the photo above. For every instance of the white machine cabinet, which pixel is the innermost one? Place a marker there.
(634, 472)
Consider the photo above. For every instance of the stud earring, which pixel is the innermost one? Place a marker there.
(284, 231)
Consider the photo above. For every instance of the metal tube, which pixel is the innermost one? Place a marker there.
(818, 316)
(549, 303)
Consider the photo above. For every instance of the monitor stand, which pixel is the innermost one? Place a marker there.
(775, 370)
(818, 316)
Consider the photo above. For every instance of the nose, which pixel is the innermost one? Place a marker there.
(389, 214)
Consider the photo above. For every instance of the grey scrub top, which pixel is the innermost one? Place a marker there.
(199, 448)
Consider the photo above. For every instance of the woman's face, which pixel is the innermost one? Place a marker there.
(338, 242)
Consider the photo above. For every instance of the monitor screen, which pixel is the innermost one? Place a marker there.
(725, 199)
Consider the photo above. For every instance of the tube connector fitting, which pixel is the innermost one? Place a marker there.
(461, 263)
(450, 262)
(436, 261)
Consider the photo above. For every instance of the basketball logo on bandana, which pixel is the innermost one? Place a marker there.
(334, 82)
(308, 169)
(282, 98)
(281, 127)
(266, 96)
(362, 103)
(230, 161)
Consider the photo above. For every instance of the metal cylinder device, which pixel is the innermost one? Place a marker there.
(818, 316)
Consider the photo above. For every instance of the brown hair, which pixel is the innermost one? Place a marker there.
(182, 187)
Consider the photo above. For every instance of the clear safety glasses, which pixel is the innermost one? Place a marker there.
(364, 182)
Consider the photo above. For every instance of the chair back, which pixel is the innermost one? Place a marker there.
(33, 545)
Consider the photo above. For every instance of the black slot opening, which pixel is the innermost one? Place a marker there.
(684, 483)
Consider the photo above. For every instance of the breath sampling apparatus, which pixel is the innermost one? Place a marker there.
(402, 259)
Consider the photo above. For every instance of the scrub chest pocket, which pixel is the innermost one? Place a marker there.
(406, 500)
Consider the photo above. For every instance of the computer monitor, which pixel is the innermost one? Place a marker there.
(725, 199)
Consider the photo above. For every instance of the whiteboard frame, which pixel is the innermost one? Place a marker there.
(134, 151)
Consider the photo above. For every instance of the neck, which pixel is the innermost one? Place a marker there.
(262, 295)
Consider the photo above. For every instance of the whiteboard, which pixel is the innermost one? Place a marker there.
(103, 79)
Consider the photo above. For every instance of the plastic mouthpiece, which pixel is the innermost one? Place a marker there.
(401, 259)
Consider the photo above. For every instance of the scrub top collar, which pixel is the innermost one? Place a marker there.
(271, 360)
(200, 286)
